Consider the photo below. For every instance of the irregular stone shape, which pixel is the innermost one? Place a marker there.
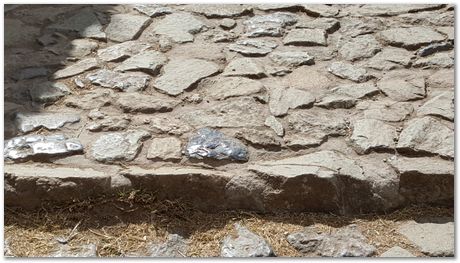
(28, 185)
(84, 23)
(227, 87)
(119, 81)
(282, 99)
(303, 141)
(84, 251)
(122, 50)
(48, 92)
(77, 68)
(427, 135)
(344, 242)
(396, 252)
(124, 27)
(433, 48)
(246, 244)
(220, 36)
(320, 10)
(336, 101)
(208, 143)
(359, 47)
(258, 137)
(429, 18)
(309, 79)
(271, 7)
(246, 67)
(118, 146)
(269, 25)
(273, 123)
(219, 10)
(109, 123)
(312, 121)
(438, 60)
(390, 58)
(36, 146)
(329, 24)
(291, 58)
(18, 33)
(435, 240)
(27, 122)
(29, 73)
(449, 31)
(180, 27)
(441, 105)
(252, 47)
(392, 10)
(306, 37)
(353, 26)
(356, 91)
(168, 148)
(227, 23)
(135, 102)
(239, 112)
(180, 74)
(410, 38)
(277, 71)
(90, 100)
(169, 125)
(442, 79)
(386, 110)
(148, 61)
(349, 71)
(153, 10)
(400, 89)
(175, 246)
(425, 180)
(77, 48)
(372, 135)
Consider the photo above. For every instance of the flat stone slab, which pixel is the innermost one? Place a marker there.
(397, 252)
(27, 122)
(357, 91)
(128, 82)
(336, 101)
(125, 27)
(84, 251)
(122, 51)
(168, 148)
(48, 92)
(441, 105)
(386, 110)
(153, 10)
(246, 244)
(245, 67)
(180, 27)
(269, 25)
(410, 38)
(438, 60)
(85, 23)
(435, 240)
(292, 58)
(306, 37)
(403, 89)
(135, 102)
(273, 123)
(372, 135)
(175, 246)
(180, 74)
(77, 68)
(359, 47)
(282, 99)
(227, 87)
(253, 47)
(349, 71)
(390, 58)
(147, 61)
(219, 10)
(321, 10)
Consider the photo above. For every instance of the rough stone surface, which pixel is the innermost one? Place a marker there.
(291, 58)
(390, 58)
(356, 91)
(370, 134)
(397, 252)
(252, 47)
(246, 244)
(148, 61)
(18, 33)
(168, 148)
(119, 146)
(119, 81)
(442, 79)
(246, 67)
(135, 102)
(276, 126)
(258, 137)
(180, 27)
(436, 240)
(306, 37)
(228, 87)
(329, 24)
(349, 71)
(359, 47)
(208, 143)
(109, 123)
(85, 23)
(124, 27)
(175, 246)
(386, 110)
(48, 92)
(321, 10)
(438, 60)
(153, 10)
(90, 100)
(27, 122)
(410, 38)
(77, 68)
(333, 124)
(122, 50)
(336, 101)
(269, 25)
(218, 10)
(391, 10)
(441, 105)
(180, 74)
(403, 89)
(84, 251)
(433, 48)
(282, 99)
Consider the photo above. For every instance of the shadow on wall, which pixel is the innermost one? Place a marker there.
(39, 40)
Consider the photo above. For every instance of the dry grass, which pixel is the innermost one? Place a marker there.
(124, 226)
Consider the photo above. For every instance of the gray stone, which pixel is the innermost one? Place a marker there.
(359, 48)
(128, 82)
(442, 79)
(386, 110)
(441, 105)
(77, 48)
(30, 146)
(356, 91)
(320, 10)
(77, 68)
(306, 37)
(228, 87)
(336, 101)
(276, 126)
(307, 78)
(122, 50)
(353, 26)
(48, 92)
(208, 143)
(246, 67)
(427, 134)
(436, 240)
(291, 58)
(148, 61)
(429, 18)
(109, 123)
(227, 23)
(83, 251)
(344, 242)
(219, 10)
(17, 33)
(438, 60)
(179, 27)
(153, 10)
(271, 7)
(318, 120)
(282, 99)
(135, 102)
(397, 252)
(277, 71)
(392, 10)
(434, 48)
(220, 36)
(119, 146)
(269, 25)
(168, 148)
(403, 89)
(305, 140)
(124, 27)
(246, 244)
(253, 47)
(175, 246)
(180, 74)
(85, 24)
(258, 137)
(90, 100)
(27, 122)
(410, 38)
(449, 31)
(372, 135)
(423, 166)
(168, 124)
(29, 73)
(390, 58)
(328, 24)
(348, 71)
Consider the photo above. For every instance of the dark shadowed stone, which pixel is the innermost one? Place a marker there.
(208, 143)
(175, 246)
(433, 48)
(29, 73)
(85, 23)
(246, 244)
(48, 92)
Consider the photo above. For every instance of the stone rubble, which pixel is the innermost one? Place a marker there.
(246, 244)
